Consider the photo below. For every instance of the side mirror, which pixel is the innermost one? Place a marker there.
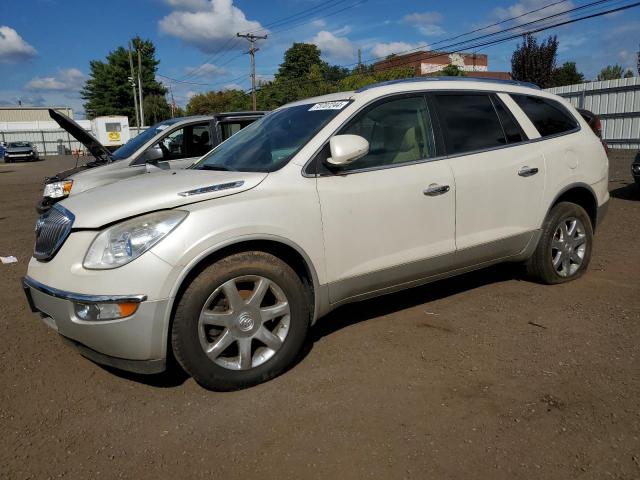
(153, 154)
(346, 149)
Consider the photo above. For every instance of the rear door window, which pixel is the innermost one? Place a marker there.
(469, 122)
(548, 116)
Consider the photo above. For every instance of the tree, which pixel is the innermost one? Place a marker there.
(298, 60)
(451, 70)
(567, 74)
(628, 74)
(108, 90)
(156, 109)
(535, 62)
(611, 72)
(221, 101)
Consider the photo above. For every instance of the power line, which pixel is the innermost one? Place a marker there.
(491, 42)
(316, 8)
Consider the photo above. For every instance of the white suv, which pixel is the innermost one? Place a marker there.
(324, 201)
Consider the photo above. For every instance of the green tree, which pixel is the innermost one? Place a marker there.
(611, 72)
(567, 74)
(298, 60)
(628, 74)
(221, 101)
(535, 62)
(108, 90)
(451, 71)
(156, 109)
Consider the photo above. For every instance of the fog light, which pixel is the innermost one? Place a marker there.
(104, 311)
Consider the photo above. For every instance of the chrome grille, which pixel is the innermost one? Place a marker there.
(52, 229)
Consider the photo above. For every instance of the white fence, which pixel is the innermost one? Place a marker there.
(616, 102)
(51, 142)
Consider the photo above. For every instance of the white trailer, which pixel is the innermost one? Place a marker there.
(111, 131)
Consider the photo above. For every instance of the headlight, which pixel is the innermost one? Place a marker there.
(126, 241)
(58, 189)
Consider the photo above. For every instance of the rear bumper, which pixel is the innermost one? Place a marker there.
(135, 343)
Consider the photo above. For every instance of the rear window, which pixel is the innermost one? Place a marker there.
(469, 122)
(548, 116)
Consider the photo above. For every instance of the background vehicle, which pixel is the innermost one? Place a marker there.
(172, 144)
(20, 151)
(324, 201)
(635, 169)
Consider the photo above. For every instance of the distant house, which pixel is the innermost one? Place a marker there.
(427, 63)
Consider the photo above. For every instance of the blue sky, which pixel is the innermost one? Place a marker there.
(46, 45)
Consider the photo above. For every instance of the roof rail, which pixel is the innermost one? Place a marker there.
(448, 79)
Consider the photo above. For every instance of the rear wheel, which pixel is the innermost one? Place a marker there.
(242, 321)
(564, 249)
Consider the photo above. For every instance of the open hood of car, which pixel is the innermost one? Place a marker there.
(154, 191)
(90, 142)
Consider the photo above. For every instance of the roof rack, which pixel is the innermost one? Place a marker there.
(448, 79)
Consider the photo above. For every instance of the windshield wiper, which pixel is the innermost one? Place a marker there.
(219, 168)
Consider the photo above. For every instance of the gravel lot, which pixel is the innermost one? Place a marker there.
(481, 376)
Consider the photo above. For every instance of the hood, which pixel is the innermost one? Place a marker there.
(90, 142)
(155, 191)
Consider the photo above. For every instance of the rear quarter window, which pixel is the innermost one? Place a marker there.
(548, 116)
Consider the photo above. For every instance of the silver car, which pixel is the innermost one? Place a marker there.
(172, 144)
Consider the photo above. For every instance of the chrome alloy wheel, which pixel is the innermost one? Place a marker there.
(244, 322)
(568, 246)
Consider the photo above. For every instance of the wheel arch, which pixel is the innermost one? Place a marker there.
(581, 194)
(283, 248)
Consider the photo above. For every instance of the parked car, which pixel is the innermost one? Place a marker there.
(2, 150)
(16, 151)
(593, 121)
(635, 169)
(322, 202)
(174, 144)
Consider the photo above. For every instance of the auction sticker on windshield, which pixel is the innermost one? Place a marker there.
(329, 105)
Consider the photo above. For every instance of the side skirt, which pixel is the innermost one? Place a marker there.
(426, 271)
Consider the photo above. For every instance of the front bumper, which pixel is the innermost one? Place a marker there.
(134, 343)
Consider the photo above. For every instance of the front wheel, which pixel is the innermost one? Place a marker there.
(242, 321)
(564, 249)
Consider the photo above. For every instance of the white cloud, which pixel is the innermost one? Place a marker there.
(69, 80)
(386, 49)
(205, 70)
(319, 23)
(208, 25)
(569, 42)
(333, 46)
(13, 48)
(426, 23)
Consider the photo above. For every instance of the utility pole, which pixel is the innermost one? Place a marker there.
(140, 87)
(252, 53)
(133, 84)
(173, 103)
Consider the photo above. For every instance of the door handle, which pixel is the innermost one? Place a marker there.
(434, 190)
(527, 171)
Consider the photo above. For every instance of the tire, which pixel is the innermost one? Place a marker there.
(210, 299)
(556, 259)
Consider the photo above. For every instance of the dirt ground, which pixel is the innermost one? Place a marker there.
(483, 376)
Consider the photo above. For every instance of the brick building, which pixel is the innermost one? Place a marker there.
(428, 63)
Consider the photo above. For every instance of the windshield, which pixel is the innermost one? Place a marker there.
(19, 144)
(136, 142)
(269, 143)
